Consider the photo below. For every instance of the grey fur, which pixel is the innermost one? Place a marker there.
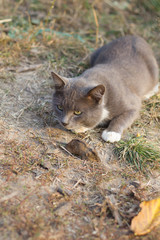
(121, 74)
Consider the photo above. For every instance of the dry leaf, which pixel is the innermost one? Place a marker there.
(148, 217)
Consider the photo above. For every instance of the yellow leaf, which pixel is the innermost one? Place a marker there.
(138, 134)
(148, 217)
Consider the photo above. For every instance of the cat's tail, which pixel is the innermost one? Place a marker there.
(152, 92)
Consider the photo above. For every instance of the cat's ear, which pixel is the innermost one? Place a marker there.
(96, 93)
(59, 82)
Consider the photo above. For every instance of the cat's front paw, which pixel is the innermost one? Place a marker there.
(111, 136)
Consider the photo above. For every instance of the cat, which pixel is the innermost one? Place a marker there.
(122, 74)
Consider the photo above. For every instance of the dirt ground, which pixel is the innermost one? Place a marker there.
(45, 192)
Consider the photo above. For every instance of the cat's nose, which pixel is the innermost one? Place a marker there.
(64, 123)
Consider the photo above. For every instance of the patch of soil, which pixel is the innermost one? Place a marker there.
(48, 193)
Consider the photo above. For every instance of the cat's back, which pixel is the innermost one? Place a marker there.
(113, 50)
(130, 56)
(121, 49)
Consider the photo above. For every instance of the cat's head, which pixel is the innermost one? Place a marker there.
(77, 107)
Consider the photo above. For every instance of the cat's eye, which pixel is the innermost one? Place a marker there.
(77, 112)
(60, 107)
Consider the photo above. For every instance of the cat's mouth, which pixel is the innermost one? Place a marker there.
(67, 127)
(79, 130)
(76, 130)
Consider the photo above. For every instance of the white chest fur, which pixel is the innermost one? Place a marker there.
(105, 114)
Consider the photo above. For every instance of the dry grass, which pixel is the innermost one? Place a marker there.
(46, 193)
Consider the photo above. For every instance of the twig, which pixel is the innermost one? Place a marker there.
(25, 198)
(50, 11)
(5, 20)
(69, 152)
(18, 5)
(97, 25)
(109, 3)
(29, 69)
(111, 201)
(23, 109)
(3, 199)
(75, 185)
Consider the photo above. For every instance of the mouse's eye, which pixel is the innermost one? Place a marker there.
(77, 112)
(60, 107)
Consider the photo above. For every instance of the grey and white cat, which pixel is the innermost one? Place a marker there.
(122, 74)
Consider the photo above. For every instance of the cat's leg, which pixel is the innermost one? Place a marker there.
(118, 124)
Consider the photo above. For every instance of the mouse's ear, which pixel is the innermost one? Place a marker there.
(59, 82)
(96, 93)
